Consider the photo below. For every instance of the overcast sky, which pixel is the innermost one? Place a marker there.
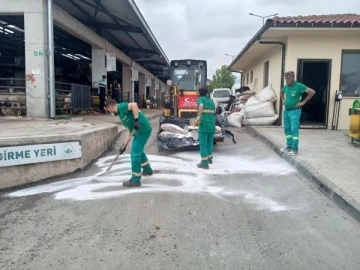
(209, 29)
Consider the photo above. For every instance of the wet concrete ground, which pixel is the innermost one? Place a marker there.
(251, 210)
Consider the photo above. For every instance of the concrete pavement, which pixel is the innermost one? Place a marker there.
(251, 210)
(327, 159)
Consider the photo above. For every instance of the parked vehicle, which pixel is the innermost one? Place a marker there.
(220, 95)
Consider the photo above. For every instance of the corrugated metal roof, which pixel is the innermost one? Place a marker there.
(122, 24)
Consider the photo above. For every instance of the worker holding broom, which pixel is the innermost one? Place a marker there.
(134, 120)
(206, 122)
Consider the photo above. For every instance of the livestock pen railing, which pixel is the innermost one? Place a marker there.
(72, 98)
(12, 97)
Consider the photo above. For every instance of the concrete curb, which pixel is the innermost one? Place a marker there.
(341, 198)
(112, 133)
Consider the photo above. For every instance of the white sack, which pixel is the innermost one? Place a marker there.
(253, 101)
(192, 131)
(190, 128)
(218, 130)
(267, 94)
(262, 110)
(173, 128)
(262, 121)
(168, 134)
(248, 93)
(235, 119)
(194, 134)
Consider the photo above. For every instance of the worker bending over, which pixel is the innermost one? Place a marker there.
(133, 119)
(206, 122)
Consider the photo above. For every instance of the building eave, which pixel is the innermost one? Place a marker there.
(290, 25)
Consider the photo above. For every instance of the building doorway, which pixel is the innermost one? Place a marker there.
(315, 74)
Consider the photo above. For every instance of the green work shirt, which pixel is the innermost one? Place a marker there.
(293, 94)
(207, 119)
(127, 118)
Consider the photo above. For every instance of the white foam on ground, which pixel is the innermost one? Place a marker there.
(177, 174)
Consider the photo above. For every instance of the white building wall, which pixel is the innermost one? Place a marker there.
(257, 83)
(325, 47)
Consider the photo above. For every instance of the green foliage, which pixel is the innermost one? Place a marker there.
(223, 78)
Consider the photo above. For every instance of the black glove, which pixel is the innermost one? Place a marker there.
(137, 124)
(122, 149)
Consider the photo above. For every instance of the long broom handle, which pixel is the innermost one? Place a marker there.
(117, 156)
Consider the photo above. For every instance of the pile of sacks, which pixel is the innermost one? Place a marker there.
(258, 110)
(245, 96)
(174, 131)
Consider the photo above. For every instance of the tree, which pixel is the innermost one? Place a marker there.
(223, 78)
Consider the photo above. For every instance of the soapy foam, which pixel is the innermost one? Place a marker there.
(180, 170)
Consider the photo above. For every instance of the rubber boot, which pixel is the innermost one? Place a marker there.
(203, 166)
(131, 184)
(147, 173)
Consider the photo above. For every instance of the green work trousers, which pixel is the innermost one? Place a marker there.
(138, 156)
(291, 127)
(206, 140)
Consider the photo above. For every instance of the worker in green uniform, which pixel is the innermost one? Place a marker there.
(291, 96)
(206, 122)
(133, 119)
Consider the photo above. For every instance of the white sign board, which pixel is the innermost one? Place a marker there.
(148, 81)
(110, 62)
(135, 75)
(39, 153)
(157, 86)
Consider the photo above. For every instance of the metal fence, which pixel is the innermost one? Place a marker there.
(72, 98)
(12, 97)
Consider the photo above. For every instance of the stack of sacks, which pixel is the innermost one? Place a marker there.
(244, 96)
(170, 130)
(259, 109)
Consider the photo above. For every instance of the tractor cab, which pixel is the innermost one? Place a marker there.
(186, 76)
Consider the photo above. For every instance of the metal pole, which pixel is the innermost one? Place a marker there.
(132, 80)
(51, 63)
